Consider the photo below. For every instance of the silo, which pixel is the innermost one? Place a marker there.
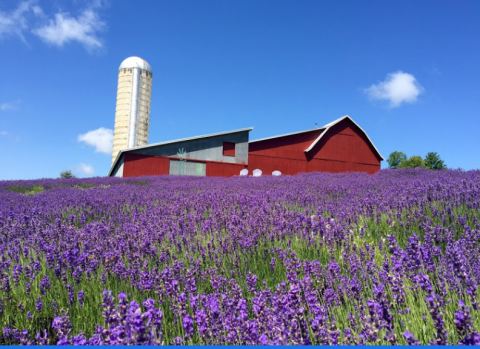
(132, 114)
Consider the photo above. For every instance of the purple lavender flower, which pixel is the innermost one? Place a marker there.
(25, 338)
(79, 339)
(63, 327)
(39, 305)
(54, 306)
(252, 280)
(44, 285)
(464, 326)
(81, 298)
(27, 287)
(177, 341)
(410, 338)
(188, 326)
(103, 279)
(441, 337)
(272, 265)
(42, 340)
(71, 294)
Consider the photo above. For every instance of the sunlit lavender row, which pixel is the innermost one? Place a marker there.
(390, 258)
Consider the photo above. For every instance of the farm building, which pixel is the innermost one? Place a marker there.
(339, 146)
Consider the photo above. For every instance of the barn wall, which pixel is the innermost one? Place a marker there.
(215, 169)
(209, 148)
(343, 148)
(268, 164)
(143, 165)
(136, 165)
(287, 147)
(344, 142)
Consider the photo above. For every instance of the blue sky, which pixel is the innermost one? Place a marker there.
(407, 72)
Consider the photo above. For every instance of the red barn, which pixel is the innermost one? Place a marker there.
(339, 146)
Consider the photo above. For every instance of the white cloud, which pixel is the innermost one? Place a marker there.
(9, 105)
(15, 23)
(84, 169)
(64, 29)
(101, 139)
(398, 87)
(3, 133)
(38, 11)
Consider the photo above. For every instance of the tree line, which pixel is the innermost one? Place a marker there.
(399, 159)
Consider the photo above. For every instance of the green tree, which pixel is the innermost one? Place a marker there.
(395, 159)
(433, 162)
(67, 174)
(412, 162)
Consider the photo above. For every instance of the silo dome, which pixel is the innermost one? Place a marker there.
(135, 62)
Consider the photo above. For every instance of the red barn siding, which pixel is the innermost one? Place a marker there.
(136, 165)
(287, 147)
(223, 169)
(343, 148)
(269, 164)
(345, 142)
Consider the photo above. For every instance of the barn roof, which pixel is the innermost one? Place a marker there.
(325, 129)
(248, 129)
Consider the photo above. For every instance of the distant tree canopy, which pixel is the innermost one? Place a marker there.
(433, 162)
(413, 162)
(395, 159)
(399, 159)
(67, 174)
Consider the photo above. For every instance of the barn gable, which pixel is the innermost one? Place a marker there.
(345, 126)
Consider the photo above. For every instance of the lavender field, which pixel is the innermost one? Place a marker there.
(391, 258)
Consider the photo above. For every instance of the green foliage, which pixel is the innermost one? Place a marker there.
(26, 190)
(434, 162)
(395, 159)
(413, 162)
(67, 174)
(399, 159)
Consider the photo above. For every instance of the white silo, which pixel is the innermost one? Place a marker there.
(132, 114)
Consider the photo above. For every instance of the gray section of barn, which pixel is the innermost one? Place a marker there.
(208, 148)
(187, 168)
(118, 170)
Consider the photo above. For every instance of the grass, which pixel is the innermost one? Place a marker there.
(26, 190)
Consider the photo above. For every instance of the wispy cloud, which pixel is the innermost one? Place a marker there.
(101, 139)
(15, 22)
(3, 133)
(84, 169)
(9, 105)
(397, 88)
(59, 30)
(65, 28)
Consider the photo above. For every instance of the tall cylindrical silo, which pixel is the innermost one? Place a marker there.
(132, 114)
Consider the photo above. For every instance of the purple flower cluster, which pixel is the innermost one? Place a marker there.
(316, 258)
